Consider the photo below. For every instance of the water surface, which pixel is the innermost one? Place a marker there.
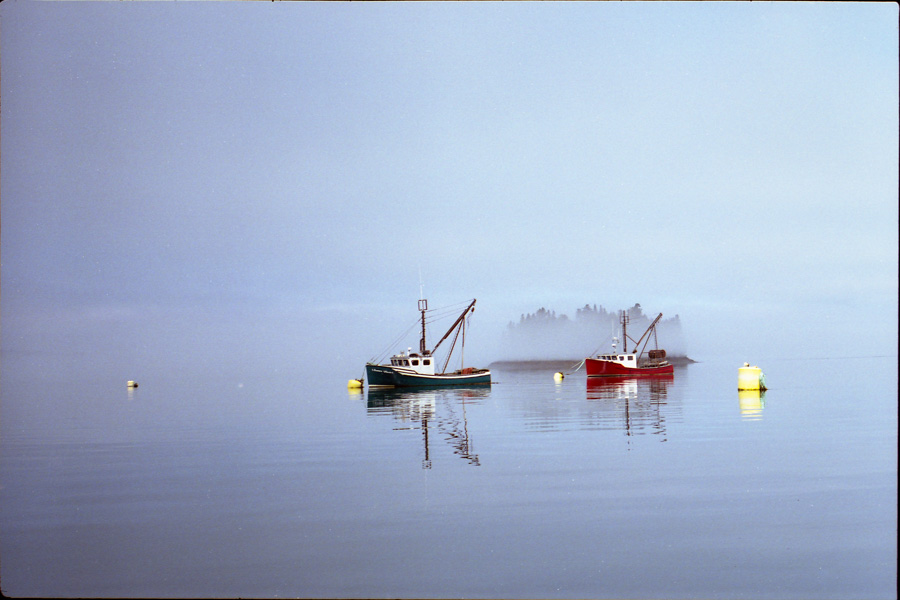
(257, 485)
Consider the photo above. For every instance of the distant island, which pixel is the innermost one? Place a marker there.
(544, 335)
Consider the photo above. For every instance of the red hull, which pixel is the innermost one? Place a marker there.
(606, 368)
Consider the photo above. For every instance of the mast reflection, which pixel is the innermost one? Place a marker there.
(636, 402)
(441, 411)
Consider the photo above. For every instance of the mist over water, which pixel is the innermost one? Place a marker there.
(546, 335)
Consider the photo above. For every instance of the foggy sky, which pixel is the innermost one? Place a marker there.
(255, 183)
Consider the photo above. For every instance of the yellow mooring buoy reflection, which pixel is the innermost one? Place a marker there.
(752, 403)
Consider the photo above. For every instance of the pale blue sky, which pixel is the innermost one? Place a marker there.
(248, 182)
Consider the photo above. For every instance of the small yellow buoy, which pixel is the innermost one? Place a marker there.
(751, 378)
(132, 384)
(354, 384)
(558, 376)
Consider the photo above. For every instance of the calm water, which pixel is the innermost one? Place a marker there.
(279, 486)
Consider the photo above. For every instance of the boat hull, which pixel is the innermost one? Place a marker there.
(389, 376)
(606, 368)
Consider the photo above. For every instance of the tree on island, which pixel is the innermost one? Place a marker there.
(544, 335)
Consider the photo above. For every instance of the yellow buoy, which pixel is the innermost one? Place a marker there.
(354, 384)
(132, 384)
(558, 376)
(751, 378)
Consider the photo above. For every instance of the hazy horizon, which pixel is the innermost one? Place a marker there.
(221, 187)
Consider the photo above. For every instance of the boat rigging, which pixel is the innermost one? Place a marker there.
(635, 363)
(418, 369)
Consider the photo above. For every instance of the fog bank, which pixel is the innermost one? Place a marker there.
(545, 335)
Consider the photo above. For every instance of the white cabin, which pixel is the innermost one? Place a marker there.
(632, 361)
(626, 360)
(421, 364)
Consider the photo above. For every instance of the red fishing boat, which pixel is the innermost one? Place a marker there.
(639, 362)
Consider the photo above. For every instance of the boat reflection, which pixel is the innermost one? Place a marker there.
(436, 411)
(752, 403)
(635, 402)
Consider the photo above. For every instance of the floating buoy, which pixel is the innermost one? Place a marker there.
(132, 384)
(751, 378)
(558, 376)
(354, 384)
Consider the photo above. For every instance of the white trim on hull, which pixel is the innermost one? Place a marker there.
(387, 376)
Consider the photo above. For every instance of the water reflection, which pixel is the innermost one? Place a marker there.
(752, 403)
(635, 403)
(440, 412)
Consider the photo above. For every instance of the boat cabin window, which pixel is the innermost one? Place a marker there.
(630, 357)
(427, 361)
(621, 358)
(415, 362)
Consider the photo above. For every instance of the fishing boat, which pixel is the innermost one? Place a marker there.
(418, 369)
(637, 363)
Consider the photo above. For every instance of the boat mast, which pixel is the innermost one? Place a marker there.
(649, 329)
(423, 306)
(624, 331)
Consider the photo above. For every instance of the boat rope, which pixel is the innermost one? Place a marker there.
(575, 370)
(603, 343)
(432, 315)
(596, 351)
(450, 352)
(391, 347)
